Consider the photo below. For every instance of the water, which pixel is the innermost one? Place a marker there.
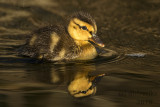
(129, 27)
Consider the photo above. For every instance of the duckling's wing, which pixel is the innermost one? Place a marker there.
(50, 43)
(64, 49)
(38, 43)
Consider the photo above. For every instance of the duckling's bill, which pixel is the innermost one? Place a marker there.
(95, 39)
(96, 79)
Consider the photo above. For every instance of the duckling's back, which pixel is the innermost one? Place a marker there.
(50, 43)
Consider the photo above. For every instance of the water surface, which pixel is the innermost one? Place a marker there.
(129, 27)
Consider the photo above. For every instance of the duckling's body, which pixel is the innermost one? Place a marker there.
(71, 42)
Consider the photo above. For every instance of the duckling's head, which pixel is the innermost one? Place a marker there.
(83, 87)
(82, 27)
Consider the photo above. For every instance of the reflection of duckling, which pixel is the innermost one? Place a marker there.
(83, 86)
(76, 77)
(65, 43)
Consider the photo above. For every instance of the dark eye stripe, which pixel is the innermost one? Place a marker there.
(77, 24)
(81, 27)
(84, 92)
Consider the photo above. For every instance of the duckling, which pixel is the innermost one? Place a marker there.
(75, 41)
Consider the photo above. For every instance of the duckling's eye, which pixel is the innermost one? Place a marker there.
(84, 28)
(84, 92)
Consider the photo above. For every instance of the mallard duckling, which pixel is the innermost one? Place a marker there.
(71, 42)
(84, 86)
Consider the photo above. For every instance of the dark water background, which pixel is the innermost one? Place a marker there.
(130, 27)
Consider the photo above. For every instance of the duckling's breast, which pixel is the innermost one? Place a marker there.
(88, 51)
